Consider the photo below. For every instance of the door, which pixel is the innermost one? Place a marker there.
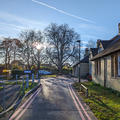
(105, 71)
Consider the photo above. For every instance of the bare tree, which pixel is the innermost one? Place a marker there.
(38, 50)
(61, 40)
(6, 51)
(9, 50)
(16, 45)
(30, 51)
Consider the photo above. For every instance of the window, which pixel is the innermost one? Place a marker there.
(118, 65)
(98, 67)
(115, 65)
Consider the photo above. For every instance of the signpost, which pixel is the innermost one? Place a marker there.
(27, 81)
(27, 72)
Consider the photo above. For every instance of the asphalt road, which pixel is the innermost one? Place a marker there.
(55, 101)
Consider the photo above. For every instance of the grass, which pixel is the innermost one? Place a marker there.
(1, 109)
(31, 85)
(104, 102)
(1, 87)
(46, 76)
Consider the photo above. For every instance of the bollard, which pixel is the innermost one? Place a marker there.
(38, 78)
(27, 81)
(16, 79)
(33, 78)
(87, 93)
(23, 84)
(4, 107)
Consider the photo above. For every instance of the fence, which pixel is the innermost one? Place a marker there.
(84, 89)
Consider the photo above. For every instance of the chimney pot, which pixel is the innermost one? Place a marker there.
(119, 28)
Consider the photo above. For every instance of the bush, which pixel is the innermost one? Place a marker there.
(17, 72)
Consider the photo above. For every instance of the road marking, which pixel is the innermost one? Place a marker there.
(80, 104)
(76, 104)
(21, 111)
(16, 113)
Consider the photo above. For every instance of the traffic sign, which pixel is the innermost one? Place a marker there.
(27, 71)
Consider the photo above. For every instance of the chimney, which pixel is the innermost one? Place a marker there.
(86, 52)
(98, 42)
(119, 28)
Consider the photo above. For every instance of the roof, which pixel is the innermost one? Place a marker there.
(84, 60)
(114, 46)
(94, 51)
(16, 61)
(105, 43)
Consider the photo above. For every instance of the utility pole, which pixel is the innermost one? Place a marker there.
(79, 60)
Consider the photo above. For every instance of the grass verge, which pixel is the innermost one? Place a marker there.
(24, 90)
(46, 76)
(1, 109)
(21, 92)
(1, 87)
(104, 102)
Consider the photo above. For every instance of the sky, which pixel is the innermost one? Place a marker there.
(92, 19)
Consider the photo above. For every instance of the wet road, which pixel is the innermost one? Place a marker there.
(55, 101)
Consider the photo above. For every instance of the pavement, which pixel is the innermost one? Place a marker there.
(56, 100)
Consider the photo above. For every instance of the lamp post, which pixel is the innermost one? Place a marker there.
(79, 60)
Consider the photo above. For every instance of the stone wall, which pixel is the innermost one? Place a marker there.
(111, 82)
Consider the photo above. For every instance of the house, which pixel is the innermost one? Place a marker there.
(2, 67)
(17, 64)
(84, 66)
(92, 53)
(106, 62)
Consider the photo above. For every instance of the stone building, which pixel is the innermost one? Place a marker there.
(84, 66)
(106, 63)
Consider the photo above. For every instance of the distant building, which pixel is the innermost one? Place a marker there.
(1, 68)
(17, 64)
(84, 66)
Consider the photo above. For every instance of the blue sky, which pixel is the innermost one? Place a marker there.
(92, 19)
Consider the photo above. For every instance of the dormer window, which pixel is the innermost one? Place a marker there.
(100, 49)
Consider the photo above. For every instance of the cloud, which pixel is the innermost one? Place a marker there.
(12, 25)
(20, 21)
(63, 12)
(88, 37)
(83, 47)
(91, 27)
(84, 42)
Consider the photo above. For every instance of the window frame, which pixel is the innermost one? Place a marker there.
(115, 65)
(98, 67)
